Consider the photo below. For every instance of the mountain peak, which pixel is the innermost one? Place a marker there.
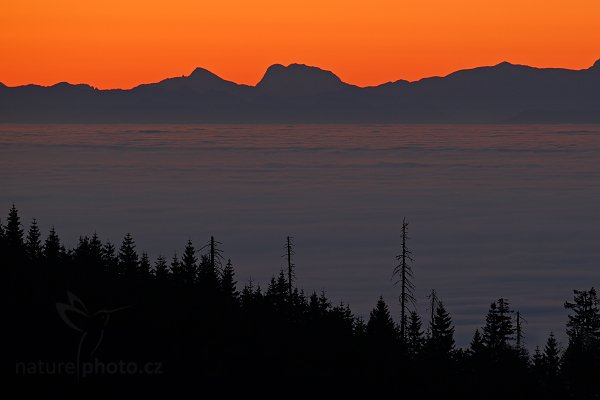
(62, 85)
(202, 73)
(200, 80)
(299, 79)
(71, 86)
(507, 65)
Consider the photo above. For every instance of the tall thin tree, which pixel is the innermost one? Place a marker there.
(519, 331)
(215, 254)
(212, 251)
(289, 253)
(433, 301)
(404, 275)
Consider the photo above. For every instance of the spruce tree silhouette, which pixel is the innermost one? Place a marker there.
(82, 253)
(95, 260)
(228, 284)
(2, 239)
(477, 346)
(208, 274)
(299, 303)
(52, 248)
(414, 337)
(189, 269)
(96, 249)
(583, 326)
(247, 296)
(360, 328)
(110, 259)
(89, 253)
(441, 342)
(475, 363)
(581, 360)
(546, 370)
(498, 329)
(324, 303)
(380, 325)
(317, 307)
(144, 269)
(128, 258)
(551, 358)
(342, 320)
(382, 345)
(13, 236)
(277, 293)
(161, 270)
(176, 270)
(33, 244)
(502, 355)
(537, 361)
(206, 333)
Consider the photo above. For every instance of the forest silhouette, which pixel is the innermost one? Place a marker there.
(188, 319)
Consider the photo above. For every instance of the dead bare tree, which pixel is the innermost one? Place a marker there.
(403, 274)
(289, 253)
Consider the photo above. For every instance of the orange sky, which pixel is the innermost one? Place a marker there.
(123, 43)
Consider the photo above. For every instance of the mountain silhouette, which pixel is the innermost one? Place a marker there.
(299, 93)
(199, 81)
(299, 80)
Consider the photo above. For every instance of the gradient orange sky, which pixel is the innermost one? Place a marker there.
(123, 43)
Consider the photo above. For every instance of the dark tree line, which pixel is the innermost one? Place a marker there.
(189, 313)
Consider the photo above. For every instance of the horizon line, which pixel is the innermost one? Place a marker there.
(594, 64)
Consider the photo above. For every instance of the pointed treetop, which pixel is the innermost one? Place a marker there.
(228, 283)
(33, 245)
(128, 257)
(144, 265)
(161, 270)
(380, 322)
(14, 230)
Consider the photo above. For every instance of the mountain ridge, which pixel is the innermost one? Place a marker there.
(300, 93)
(200, 71)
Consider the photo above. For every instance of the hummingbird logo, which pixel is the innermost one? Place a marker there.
(91, 326)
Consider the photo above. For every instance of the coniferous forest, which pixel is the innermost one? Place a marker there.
(105, 314)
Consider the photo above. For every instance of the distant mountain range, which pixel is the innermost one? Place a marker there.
(504, 93)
